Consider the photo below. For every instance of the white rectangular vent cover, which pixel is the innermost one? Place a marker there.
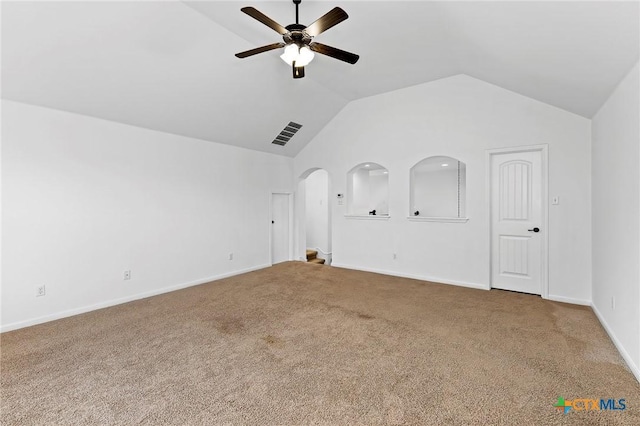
(287, 133)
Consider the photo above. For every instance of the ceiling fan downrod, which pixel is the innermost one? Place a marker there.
(297, 2)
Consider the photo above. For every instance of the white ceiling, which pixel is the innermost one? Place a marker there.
(170, 65)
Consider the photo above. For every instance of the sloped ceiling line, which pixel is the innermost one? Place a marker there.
(162, 66)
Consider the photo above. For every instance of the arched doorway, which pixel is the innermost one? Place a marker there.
(314, 215)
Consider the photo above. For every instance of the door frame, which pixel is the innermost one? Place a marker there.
(290, 201)
(544, 257)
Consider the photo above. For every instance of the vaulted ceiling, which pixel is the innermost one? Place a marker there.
(170, 65)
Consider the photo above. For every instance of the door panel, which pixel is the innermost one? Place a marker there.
(514, 255)
(279, 228)
(516, 210)
(515, 203)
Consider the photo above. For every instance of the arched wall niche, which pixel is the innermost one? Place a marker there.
(368, 190)
(438, 188)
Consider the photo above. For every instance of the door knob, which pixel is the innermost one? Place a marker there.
(534, 230)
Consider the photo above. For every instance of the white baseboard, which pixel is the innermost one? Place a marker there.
(113, 302)
(414, 276)
(625, 355)
(569, 300)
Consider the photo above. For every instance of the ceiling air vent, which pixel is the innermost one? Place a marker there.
(287, 133)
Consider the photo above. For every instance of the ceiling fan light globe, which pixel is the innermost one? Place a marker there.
(290, 54)
(305, 56)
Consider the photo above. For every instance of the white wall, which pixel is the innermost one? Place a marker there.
(317, 212)
(616, 217)
(86, 199)
(460, 117)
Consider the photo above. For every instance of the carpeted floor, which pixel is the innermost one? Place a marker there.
(306, 344)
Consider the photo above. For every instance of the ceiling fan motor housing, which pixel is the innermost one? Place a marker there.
(297, 34)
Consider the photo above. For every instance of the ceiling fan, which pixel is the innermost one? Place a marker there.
(298, 43)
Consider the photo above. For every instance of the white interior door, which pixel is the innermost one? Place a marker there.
(279, 228)
(517, 231)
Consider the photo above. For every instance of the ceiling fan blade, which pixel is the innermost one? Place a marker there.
(331, 18)
(259, 50)
(342, 55)
(255, 14)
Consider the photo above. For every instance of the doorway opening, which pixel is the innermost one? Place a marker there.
(314, 223)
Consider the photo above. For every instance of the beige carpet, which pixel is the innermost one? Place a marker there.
(307, 344)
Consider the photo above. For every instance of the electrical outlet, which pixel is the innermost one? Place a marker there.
(395, 256)
(127, 275)
(613, 303)
(230, 256)
(40, 290)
